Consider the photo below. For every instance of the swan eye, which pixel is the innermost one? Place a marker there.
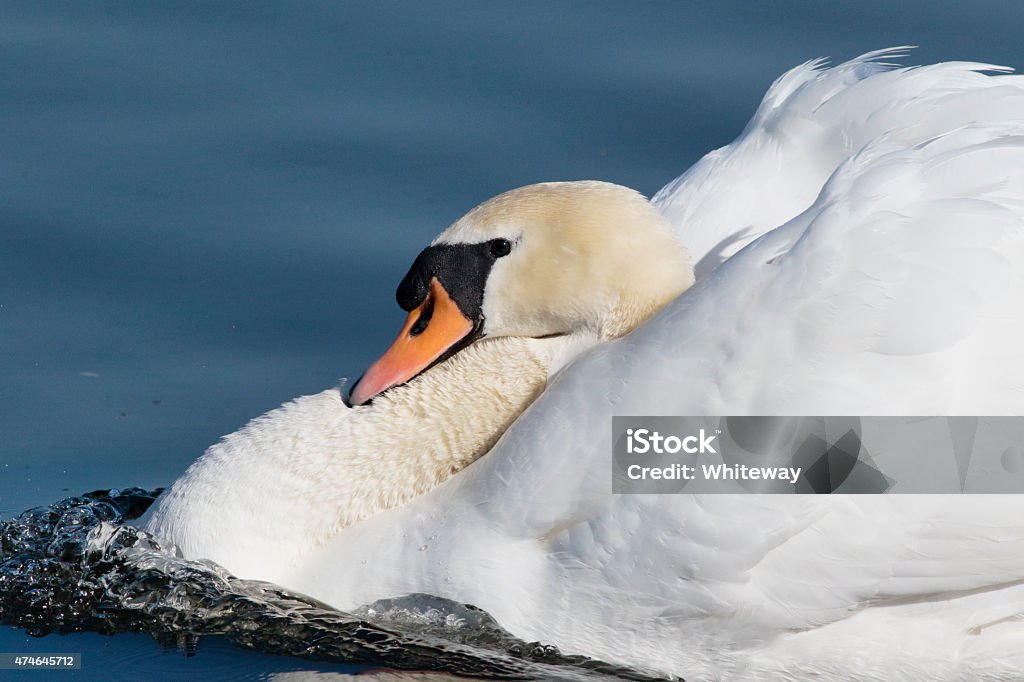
(500, 247)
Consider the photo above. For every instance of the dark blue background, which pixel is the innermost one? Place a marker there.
(205, 207)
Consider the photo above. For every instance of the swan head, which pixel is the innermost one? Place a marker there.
(542, 260)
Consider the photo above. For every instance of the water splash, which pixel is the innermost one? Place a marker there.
(75, 566)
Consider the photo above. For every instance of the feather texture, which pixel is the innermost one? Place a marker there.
(861, 251)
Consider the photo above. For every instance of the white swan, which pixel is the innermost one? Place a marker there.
(859, 249)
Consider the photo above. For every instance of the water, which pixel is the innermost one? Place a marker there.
(75, 566)
(204, 209)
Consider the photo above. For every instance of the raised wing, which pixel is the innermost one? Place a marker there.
(812, 120)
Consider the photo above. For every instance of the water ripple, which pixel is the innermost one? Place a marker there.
(75, 566)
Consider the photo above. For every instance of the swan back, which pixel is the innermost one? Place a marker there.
(890, 285)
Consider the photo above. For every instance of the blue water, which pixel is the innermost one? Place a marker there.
(205, 207)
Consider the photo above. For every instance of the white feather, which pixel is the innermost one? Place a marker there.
(882, 215)
(860, 250)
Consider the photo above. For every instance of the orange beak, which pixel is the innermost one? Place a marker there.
(430, 331)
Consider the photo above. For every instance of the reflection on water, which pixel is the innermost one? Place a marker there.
(76, 566)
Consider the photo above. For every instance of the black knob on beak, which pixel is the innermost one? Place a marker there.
(413, 287)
